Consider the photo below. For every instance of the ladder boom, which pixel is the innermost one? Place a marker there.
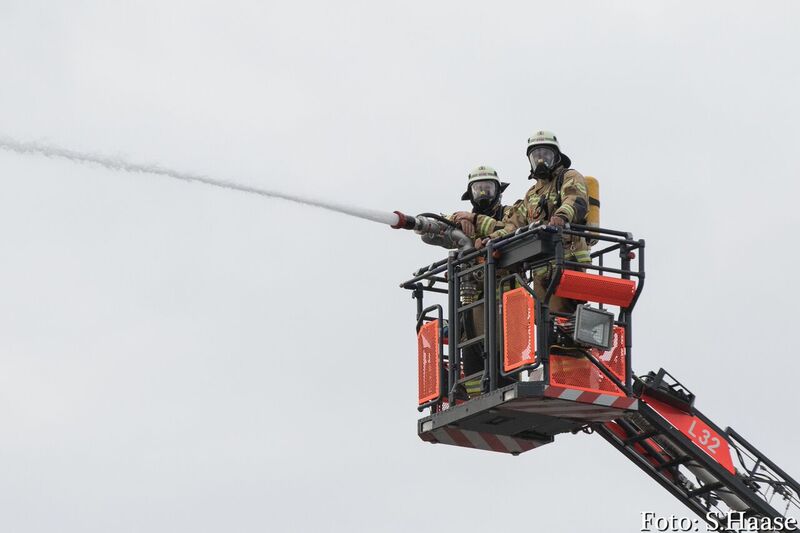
(716, 473)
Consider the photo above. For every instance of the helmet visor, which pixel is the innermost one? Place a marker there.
(542, 154)
(483, 189)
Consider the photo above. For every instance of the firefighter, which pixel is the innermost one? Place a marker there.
(558, 197)
(485, 192)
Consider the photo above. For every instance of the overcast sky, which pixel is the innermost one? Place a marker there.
(175, 357)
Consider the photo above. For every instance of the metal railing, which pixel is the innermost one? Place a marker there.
(516, 256)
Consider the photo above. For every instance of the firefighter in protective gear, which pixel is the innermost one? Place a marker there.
(485, 192)
(558, 197)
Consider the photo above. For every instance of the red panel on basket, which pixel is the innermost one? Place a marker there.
(519, 332)
(580, 373)
(428, 362)
(594, 288)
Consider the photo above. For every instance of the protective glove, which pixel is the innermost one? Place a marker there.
(466, 221)
(467, 227)
(557, 220)
(480, 243)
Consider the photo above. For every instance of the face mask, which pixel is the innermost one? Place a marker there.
(542, 156)
(541, 171)
(483, 193)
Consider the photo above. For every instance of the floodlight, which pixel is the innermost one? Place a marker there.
(594, 326)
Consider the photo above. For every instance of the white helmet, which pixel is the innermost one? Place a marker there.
(543, 137)
(489, 194)
(483, 172)
(544, 151)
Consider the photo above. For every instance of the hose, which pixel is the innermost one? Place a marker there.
(440, 218)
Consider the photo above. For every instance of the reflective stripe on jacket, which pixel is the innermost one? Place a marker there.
(541, 203)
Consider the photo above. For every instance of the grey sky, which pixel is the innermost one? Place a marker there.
(175, 357)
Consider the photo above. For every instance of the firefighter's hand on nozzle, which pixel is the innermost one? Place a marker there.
(467, 227)
(466, 222)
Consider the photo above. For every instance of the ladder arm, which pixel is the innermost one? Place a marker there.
(715, 473)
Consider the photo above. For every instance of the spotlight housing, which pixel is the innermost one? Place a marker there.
(594, 327)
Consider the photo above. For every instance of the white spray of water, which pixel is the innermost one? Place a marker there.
(115, 163)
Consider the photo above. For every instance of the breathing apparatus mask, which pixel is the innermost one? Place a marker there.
(483, 194)
(543, 159)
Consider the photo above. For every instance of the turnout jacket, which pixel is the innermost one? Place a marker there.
(485, 225)
(542, 202)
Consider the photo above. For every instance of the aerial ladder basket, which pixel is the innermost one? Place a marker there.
(499, 370)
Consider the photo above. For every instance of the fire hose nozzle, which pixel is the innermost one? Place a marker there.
(404, 221)
(434, 230)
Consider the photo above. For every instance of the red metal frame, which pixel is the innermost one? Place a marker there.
(696, 430)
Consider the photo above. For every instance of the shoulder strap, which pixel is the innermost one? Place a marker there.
(559, 183)
(499, 211)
